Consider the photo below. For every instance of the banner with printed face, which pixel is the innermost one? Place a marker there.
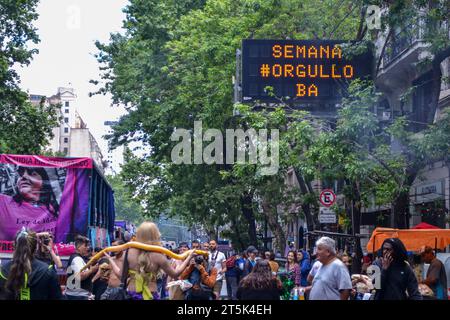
(44, 194)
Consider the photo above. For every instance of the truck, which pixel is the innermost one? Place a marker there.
(74, 199)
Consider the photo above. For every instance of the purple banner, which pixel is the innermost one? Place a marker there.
(44, 199)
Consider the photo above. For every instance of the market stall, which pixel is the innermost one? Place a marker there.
(413, 239)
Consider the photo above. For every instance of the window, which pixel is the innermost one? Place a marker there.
(66, 150)
(66, 111)
(66, 140)
(422, 98)
(67, 104)
(66, 120)
(66, 130)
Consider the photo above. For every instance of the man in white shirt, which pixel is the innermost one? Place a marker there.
(332, 280)
(217, 260)
(78, 286)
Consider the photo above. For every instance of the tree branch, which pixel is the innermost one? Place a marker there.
(382, 51)
(340, 22)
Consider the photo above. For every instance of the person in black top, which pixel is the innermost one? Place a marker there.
(397, 277)
(25, 277)
(259, 284)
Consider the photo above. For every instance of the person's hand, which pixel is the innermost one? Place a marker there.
(107, 255)
(386, 261)
(94, 268)
(199, 267)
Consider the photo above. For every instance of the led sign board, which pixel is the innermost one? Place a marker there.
(306, 71)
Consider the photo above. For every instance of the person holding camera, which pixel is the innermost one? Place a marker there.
(45, 252)
(25, 277)
(202, 279)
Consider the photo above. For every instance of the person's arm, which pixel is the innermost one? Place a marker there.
(165, 266)
(344, 281)
(97, 276)
(115, 268)
(185, 274)
(345, 294)
(432, 276)
(56, 259)
(310, 278)
(308, 288)
(209, 280)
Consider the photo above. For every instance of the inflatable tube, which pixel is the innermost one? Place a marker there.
(142, 246)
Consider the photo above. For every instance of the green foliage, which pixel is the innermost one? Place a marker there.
(126, 206)
(174, 65)
(24, 129)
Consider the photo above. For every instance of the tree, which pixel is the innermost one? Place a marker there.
(174, 66)
(24, 128)
(176, 70)
(126, 207)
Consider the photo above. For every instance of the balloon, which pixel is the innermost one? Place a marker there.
(142, 246)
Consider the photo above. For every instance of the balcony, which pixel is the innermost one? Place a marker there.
(400, 43)
(403, 50)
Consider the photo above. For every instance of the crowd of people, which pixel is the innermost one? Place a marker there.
(250, 275)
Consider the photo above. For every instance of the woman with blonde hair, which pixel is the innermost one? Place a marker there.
(144, 266)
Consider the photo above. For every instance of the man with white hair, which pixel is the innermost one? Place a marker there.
(332, 280)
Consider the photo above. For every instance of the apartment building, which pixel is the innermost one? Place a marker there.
(72, 137)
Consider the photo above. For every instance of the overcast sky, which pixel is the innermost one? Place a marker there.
(68, 30)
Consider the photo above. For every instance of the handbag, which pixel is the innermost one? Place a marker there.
(121, 292)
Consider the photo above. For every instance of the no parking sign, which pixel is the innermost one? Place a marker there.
(327, 197)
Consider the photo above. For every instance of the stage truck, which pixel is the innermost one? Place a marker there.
(64, 196)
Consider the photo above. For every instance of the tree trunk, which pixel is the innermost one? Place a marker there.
(401, 203)
(306, 207)
(401, 210)
(356, 264)
(247, 211)
(240, 245)
(272, 220)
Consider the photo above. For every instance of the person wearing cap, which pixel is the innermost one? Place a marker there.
(436, 278)
(252, 253)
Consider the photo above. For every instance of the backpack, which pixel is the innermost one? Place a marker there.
(230, 263)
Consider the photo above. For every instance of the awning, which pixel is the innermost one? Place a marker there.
(413, 239)
(424, 225)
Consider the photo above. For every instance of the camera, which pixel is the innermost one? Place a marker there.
(199, 259)
(44, 239)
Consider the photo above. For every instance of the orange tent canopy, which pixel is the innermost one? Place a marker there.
(413, 239)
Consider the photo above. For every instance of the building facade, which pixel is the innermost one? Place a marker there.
(72, 137)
